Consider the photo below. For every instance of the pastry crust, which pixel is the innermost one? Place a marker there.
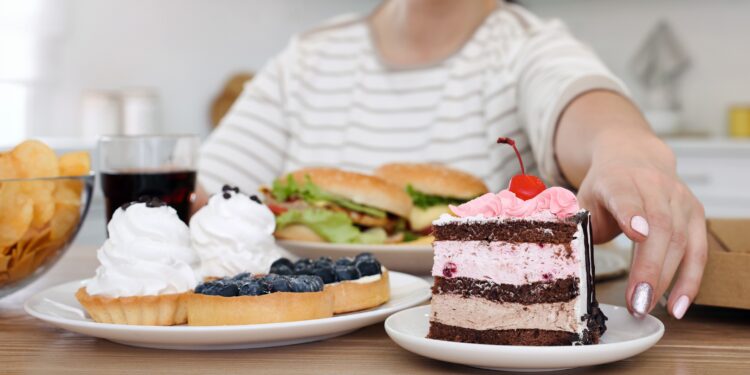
(160, 310)
(206, 310)
(350, 296)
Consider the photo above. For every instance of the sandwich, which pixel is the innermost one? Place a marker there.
(331, 205)
(431, 188)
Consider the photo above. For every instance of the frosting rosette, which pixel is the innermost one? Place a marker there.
(233, 234)
(554, 202)
(147, 253)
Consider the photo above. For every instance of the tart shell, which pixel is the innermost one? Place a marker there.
(206, 310)
(159, 310)
(350, 296)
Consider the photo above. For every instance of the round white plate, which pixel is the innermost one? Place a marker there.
(59, 307)
(625, 337)
(415, 259)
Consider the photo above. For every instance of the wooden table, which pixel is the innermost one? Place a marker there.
(707, 341)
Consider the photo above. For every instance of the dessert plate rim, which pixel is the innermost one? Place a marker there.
(406, 291)
(525, 358)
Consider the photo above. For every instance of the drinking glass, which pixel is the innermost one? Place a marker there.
(162, 166)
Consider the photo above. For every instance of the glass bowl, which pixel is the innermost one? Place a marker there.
(39, 219)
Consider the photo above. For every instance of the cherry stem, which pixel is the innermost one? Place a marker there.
(509, 141)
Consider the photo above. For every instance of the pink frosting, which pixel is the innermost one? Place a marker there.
(505, 263)
(559, 201)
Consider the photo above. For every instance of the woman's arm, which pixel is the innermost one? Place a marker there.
(626, 177)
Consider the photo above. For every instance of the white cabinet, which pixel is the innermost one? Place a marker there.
(718, 172)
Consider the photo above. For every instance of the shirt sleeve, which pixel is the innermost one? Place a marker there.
(552, 68)
(248, 148)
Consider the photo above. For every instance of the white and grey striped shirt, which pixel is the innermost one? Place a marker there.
(328, 100)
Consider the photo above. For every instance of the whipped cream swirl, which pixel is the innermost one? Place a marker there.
(233, 234)
(148, 253)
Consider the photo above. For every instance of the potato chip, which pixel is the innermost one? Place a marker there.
(16, 213)
(35, 159)
(65, 219)
(40, 193)
(66, 193)
(75, 164)
(7, 167)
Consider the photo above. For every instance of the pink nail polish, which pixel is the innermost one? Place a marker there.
(640, 225)
(680, 307)
(641, 300)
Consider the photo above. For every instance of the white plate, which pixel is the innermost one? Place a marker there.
(415, 259)
(625, 337)
(59, 307)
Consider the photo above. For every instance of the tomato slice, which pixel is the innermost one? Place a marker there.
(276, 209)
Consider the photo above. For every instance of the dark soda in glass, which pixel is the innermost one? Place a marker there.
(173, 187)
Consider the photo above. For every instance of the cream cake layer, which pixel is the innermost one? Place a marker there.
(505, 262)
(482, 314)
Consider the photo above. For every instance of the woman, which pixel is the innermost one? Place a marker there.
(439, 81)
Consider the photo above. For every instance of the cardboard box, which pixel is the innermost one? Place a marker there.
(726, 279)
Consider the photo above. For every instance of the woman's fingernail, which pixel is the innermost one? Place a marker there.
(680, 307)
(640, 225)
(641, 300)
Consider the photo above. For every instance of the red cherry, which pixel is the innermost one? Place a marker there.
(523, 185)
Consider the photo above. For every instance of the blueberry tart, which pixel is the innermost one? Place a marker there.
(259, 299)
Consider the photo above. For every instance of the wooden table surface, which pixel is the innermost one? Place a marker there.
(707, 340)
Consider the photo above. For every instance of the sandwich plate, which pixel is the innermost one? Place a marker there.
(412, 258)
(625, 337)
(58, 306)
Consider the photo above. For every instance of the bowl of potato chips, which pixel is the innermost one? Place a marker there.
(44, 199)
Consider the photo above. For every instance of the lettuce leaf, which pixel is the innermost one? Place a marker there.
(332, 226)
(311, 193)
(423, 200)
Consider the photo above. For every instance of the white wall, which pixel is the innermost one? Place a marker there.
(715, 33)
(187, 48)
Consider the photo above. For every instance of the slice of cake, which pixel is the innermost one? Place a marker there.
(516, 268)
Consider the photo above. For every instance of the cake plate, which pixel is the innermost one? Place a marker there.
(626, 336)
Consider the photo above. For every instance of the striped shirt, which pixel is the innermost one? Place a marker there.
(329, 100)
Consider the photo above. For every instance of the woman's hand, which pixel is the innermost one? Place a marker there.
(627, 179)
(639, 194)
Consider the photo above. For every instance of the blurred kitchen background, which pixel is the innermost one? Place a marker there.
(72, 69)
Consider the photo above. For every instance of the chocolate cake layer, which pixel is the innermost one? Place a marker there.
(529, 337)
(508, 231)
(561, 290)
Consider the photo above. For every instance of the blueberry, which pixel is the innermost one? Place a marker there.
(325, 273)
(303, 268)
(323, 261)
(304, 261)
(220, 288)
(364, 256)
(282, 270)
(281, 284)
(200, 288)
(242, 276)
(282, 261)
(368, 267)
(306, 283)
(250, 288)
(344, 273)
(343, 261)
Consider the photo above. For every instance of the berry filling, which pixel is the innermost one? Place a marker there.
(343, 269)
